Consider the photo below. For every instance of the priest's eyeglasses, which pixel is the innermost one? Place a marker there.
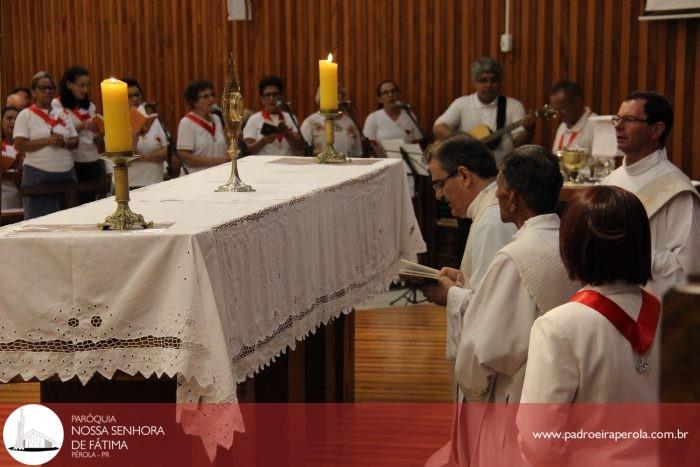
(625, 119)
(440, 184)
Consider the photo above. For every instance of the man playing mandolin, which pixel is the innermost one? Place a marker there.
(486, 111)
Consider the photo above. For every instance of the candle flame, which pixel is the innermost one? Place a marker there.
(330, 58)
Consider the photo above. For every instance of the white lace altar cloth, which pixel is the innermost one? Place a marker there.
(227, 283)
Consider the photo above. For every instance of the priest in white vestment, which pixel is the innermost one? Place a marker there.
(525, 280)
(464, 172)
(602, 347)
(642, 125)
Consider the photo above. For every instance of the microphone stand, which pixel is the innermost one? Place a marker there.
(407, 108)
(363, 140)
(308, 150)
(171, 149)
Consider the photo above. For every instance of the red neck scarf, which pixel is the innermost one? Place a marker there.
(210, 127)
(51, 122)
(640, 333)
(80, 116)
(573, 136)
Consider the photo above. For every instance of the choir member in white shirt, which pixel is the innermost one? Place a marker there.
(201, 141)
(272, 131)
(391, 121)
(348, 139)
(603, 345)
(74, 100)
(574, 131)
(642, 125)
(151, 142)
(46, 137)
(481, 107)
(11, 159)
(525, 280)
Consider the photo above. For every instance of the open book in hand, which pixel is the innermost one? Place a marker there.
(409, 268)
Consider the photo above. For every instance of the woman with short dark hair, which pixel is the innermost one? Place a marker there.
(46, 137)
(272, 131)
(150, 141)
(602, 346)
(391, 121)
(201, 141)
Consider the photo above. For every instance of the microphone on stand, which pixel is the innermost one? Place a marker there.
(287, 107)
(407, 108)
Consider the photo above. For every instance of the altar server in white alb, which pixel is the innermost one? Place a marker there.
(642, 125)
(603, 345)
(464, 172)
(525, 280)
(201, 141)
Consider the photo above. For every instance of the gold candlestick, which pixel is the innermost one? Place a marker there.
(329, 155)
(123, 218)
(232, 110)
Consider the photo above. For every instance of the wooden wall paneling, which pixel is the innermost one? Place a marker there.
(588, 57)
(522, 49)
(559, 40)
(427, 47)
(690, 147)
(607, 76)
(679, 85)
(621, 36)
(496, 25)
(643, 62)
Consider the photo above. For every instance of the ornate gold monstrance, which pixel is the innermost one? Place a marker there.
(232, 109)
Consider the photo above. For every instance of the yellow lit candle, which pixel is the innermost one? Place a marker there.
(115, 106)
(328, 72)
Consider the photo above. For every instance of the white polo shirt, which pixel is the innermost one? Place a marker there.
(49, 158)
(142, 173)
(380, 126)
(279, 146)
(87, 149)
(193, 137)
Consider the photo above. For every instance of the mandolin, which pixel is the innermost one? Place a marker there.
(485, 134)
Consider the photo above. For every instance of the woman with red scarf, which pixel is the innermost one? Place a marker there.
(272, 131)
(602, 346)
(201, 141)
(46, 137)
(74, 100)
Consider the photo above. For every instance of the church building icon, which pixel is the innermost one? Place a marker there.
(33, 440)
